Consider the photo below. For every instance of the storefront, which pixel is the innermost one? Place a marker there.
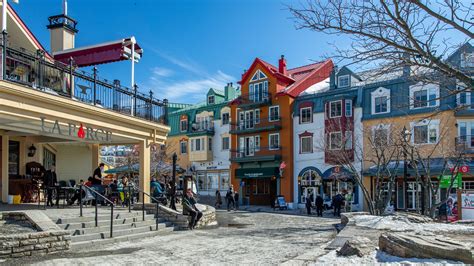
(258, 186)
(211, 180)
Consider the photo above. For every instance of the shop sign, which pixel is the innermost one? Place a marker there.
(256, 172)
(445, 181)
(211, 167)
(73, 130)
(467, 206)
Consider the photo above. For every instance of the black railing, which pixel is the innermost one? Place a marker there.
(97, 194)
(255, 152)
(202, 127)
(56, 78)
(261, 123)
(259, 97)
(143, 194)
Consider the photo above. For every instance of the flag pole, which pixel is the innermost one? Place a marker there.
(4, 15)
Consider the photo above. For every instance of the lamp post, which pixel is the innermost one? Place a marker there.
(406, 134)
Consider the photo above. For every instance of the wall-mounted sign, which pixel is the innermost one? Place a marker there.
(445, 181)
(257, 172)
(77, 131)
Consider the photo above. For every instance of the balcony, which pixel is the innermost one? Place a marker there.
(260, 154)
(465, 144)
(201, 129)
(256, 125)
(56, 78)
(254, 100)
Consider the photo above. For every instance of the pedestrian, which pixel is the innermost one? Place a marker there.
(218, 199)
(319, 205)
(97, 181)
(308, 204)
(338, 201)
(79, 193)
(122, 189)
(230, 198)
(51, 182)
(236, 200)
(189, 208)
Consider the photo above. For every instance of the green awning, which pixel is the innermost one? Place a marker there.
(263, 172)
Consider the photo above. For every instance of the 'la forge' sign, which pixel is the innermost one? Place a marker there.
(73, 130)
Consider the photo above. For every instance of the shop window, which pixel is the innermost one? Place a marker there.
(468, 185)
(310, 178)
(335, 109)
(201, 181)
(183, 147)
(306, 115)
(261, 186)
(225, 181)
(212, 181)
(306, 144)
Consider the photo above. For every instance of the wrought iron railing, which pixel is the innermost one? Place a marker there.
(260, 123)
(259, 97)
(56, 78)
(207, 126)
(255, 152)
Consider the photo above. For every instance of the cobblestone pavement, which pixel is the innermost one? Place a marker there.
(241, 238)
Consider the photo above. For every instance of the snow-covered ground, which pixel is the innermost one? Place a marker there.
(401, 223)
(378, 258)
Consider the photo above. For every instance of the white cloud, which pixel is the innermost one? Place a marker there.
(186, 64)
(162, 72)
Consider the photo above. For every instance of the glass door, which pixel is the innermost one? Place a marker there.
(49, 158)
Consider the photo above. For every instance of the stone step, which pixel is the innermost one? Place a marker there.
(107, 241)
(91, 222)
(106, 227)
(117, 233)
(102, 215)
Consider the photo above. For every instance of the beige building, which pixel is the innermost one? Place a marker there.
(52, 114)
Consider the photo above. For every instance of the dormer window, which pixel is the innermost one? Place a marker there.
(343, 81)
(210, 99)
(380, 101)
(424, 95)
(183, 125)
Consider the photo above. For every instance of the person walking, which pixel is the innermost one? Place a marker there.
(309, 200)
(338, 201)
(51, 182)
(218, 200)
(319, 205)
(190, 209)
(236, 200)
(230, 198)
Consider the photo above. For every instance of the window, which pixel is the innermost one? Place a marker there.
(274, 141)
(465, 134)
(258, 92)
(14, 159)
(424, 95)
(225, 143)
(348, 140)
(380, 136)
(183, 125)
(464, 95)
(257, 116)
(210, 144)
(425, 132)
(343, 81)
(257, 143)
(306, 144)
(306, 114)
(348, 108)
(380, 101)
(335, 109)
(335, 140)
(258, 75)
(198, 144)
(183, 147)
(225, 118)
(210, 99)
(225, 181)
(274, 113)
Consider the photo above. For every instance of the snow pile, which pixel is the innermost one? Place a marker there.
(401, 223)
(321, 86)
(378, 257)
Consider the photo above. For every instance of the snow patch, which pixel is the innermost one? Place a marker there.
(321, 86)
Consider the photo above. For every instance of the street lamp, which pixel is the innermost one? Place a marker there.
(406, 135)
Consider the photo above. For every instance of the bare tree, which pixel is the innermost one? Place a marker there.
(394, 34)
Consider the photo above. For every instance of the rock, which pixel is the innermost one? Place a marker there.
(422, 246)
(361, 247)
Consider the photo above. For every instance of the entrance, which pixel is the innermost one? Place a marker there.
(307, 191)
(259, 191)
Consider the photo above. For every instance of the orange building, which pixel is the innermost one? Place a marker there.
(262, 128)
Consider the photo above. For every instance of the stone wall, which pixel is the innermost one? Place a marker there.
(32, 244)
(180, 221)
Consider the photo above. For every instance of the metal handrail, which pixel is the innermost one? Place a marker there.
(143, 205)
(96, 212)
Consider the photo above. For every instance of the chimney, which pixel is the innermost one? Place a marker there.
(282, 65)
(230, 92)
(62, 31)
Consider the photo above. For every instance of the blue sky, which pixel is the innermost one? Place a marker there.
(189, 45)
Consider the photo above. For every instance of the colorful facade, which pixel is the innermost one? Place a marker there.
(262, 129)
(200, 138)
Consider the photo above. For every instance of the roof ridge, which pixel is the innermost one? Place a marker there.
(320, 62)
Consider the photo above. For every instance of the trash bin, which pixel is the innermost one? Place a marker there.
(16, 199)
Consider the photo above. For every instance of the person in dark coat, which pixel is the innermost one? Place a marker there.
(51, 182)
(218, 200)
(189, 208)
(319, 205)
(236, 200)
(309, 201)
(229, 196)
(338, 201)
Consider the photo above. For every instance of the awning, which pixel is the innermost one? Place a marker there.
(263, 172)
(101, 53)
(337, 173)
(438, 166)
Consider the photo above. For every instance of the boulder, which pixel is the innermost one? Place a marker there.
(421, 246)
(361, 247)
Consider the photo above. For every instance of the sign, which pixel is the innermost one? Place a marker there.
(467, 203)
(77, 131)
(445, 181)
(263, 172)
(464, 169)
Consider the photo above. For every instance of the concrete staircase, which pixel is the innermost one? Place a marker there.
(127, 226)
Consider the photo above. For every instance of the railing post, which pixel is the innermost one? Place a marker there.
(4, 54)
(40, 54)
(71, 77)
(129, 201)
(111, 220)
(165, 103)
(151, 106)
(95, 85)
(96, 218)
(39, 195)
(80, 200)
(143, 205)
(156, 214)
(135, 90)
